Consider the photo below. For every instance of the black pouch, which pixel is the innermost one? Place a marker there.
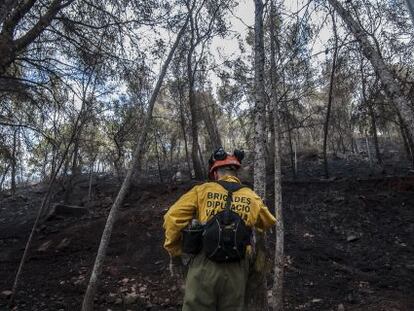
(192, 240)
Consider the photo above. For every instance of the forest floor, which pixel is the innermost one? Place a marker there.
(349, 246)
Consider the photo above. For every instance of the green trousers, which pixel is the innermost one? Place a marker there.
(212, 286)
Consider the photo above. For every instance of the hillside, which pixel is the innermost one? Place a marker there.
(348, 247)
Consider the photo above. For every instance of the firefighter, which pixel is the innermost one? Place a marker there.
(218, 274)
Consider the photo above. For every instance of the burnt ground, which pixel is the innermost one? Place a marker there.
(349, 246)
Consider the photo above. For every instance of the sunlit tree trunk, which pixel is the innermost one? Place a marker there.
(260, 104)
(198, 170)
(257, 285)
(278, 267)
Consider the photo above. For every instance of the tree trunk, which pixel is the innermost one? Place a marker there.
(374, 133)
(410, 6)
(13, 163)
(408, 144)
(330, 98)
(260, 105)
(291, 152)
(278, 266)
(6, 170)
(157, 154)
(198, 170)
(210, 121)
(391, 87)
(91, 179)
(371, 115)
(88, 301)
(257, 291)
(368, 151)
(182, 123)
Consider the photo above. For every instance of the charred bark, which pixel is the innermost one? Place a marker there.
(330, 99)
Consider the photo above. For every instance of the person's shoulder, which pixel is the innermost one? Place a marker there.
(208, 184)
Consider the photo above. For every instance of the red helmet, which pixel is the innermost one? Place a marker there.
(229, 160)
(221, 158)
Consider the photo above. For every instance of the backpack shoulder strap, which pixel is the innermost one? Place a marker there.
(230, 187)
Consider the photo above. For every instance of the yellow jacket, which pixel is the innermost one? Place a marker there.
(204, 201)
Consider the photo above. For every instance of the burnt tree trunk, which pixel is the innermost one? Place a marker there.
(374, 133)
(408, 143)
(14, 163)
(330, 99)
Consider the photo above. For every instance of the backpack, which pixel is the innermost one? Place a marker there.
(226, 235)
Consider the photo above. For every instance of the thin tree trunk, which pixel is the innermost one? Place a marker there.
(330, 99)
(91, 179)
(391, 87)
(295, 157)
(88, 301)
(210, 122)
(203, 165)
(198, 170)
(375, 133)
(257, 291)
(408, 144)
(291, 154)
(13, 163)
(6, 170)
(278, 266)
(158, 156)
(371, 114)
(187, 154)
(368, 151)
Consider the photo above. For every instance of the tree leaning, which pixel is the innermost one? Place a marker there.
(391, 87)
(88, 300)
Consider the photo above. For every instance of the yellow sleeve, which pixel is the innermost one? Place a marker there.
(265, 219)
(177, 218)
